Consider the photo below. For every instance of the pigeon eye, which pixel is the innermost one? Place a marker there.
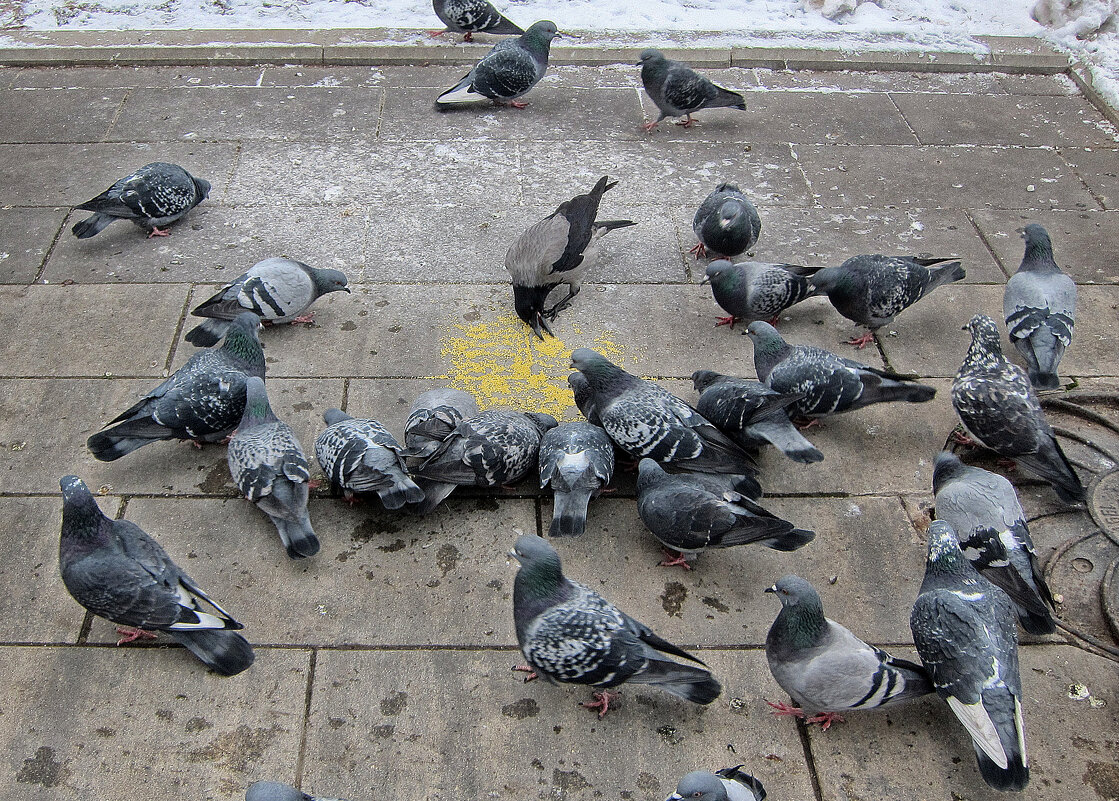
(697, 794)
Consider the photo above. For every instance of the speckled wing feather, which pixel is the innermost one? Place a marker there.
(507, 72)
(650, 421)
(157, 193)
(468, 16)
(496, 447)
(686, 90)
(824, 381)
(999, 409)
(260, 455)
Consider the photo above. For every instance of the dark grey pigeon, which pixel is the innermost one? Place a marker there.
(983, 508)
(752, 414)
(679, 90)
(584, 397)
(470, 17)
(577, 461)
(433, 417)
(360, 455)
(278, 791)
(963, 627)
(873, 290)
(754, 290)
(278, 290)
(569, 633)
(727, 784)
(827, 669)
(505, 73)
(688, 518)
(269, 468)
(726, 223)
(117, 571)
(1000, 411)
(155, 195)
(557, 250)
(1039, 305)
(202, 400)
(829, 383)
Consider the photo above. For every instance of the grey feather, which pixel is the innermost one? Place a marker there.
(433, 417)
(508, 71)
(726, 784)
(155, 195)
(584, 397)
(754, 290)
(360, 455)
(576, 461)
(472, 16)
(679, 90)
(726, 223)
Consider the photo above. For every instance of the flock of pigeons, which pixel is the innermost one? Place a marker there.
(697, 478)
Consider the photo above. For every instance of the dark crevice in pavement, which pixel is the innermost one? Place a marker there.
(916, 136)
(986, 243)
(300, 755)
(810, 762)
(49, 250)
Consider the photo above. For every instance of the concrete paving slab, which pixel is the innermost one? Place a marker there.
(299, 76)
(1055, 85)
(892, 81)
(81, 115)
(135, 77)
(8, 76)
(25, 237)
(823, 117)
(1081, 240)
(1092, 352)
(1096, 167)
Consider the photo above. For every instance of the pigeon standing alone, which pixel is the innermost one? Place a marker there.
(727, 784)
(508, 71)
(360, 455)
(155, 195)
(679, 90)
(433, 417)
(754, 290)
(577, 461)
(726, 223)
(471, 16)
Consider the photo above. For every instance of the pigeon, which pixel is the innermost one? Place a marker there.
(471, 16)
(644, 419)
(269, 468)
(752, 414)
(508, 71)
(584, 397)
(726, 223)
(688, 518)
(569, 633)
(1000, 411)
(278, 290)
(117, 571)
(679, 90)
(497, 447)
(754, 290)
(983, 509)
(873, 290)
(434, 416)
(963, 627)
(577, 461)
(362, 456)
(1039, 305)
(830, 383)
(827, 669)
(155, 195)
(727, 784)
(202, 400)
(277, 791)
(557, 250)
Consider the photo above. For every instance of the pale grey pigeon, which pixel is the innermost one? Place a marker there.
(278, 791)
(471, 16)
(360, 455)
(963, 627)
(678, 90)
(433, 417)
(584, 397)
(117, 571)
(727, 784)
(278, 290)
(726, 223)
(754, 290)
(576, 461)
(155, 195)
(508, 71)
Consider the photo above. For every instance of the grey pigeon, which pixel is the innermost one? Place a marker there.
(644, 419)
(496, 447)
(202, 400)
(584, 397)
(360, 455)
(577, 461)
(827, 669)
(117, 571)
(752, 414)
(155, 195)
(1000, 411)
(727, 784)
(754, 290)
(433, 417)
(679, 90)
(508, 71)
(873, 290)
(557, 250)
(278, 791)
(569, 633)
(830, 383)
(472, 16)
(963, 627)
(689, 518)
(269, 468)
(726, 223)
(279, 290)
(1039, 305)
(983, 508)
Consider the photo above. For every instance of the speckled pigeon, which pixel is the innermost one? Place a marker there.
(117, 571)
(508, 71)
(1039, 305)
(754, 290)
(584, 397)
(279, 290)
(726, 784)
(278, 791)
(963, 627)
(268, 466)
(472, 16)
(679, 90)
(202, 400)
(726, 224)
(569, 633)
(576, 461)
(1000, 411)
(557, 250)
(433, 417)
(155, 195)
(983, 508)
(360, 455)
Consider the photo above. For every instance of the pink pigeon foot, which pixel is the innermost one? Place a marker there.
(861, 342)
(825, 719)
(960, 438)
(436, 33)
(674, 560)
(699, 251)
(726, 321)
(157, 232)
(783, 710)
(805, 423)
(601, 702)
(774, 320)
(130, 634)
(532, 674)
(649, 127)
(306, 319)
(687, 123)
(468, 36)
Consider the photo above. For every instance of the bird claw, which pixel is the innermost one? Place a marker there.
(675, 560)
(861, 342)
(687, 122)
(783, 710)
(649, 127)
(305, 319)
(726, 321)
(958, 437)
(130, 634)
(156, 232)
(532, 674)
(825, 719)
(699, 251)
(601, 702)
(518, 104)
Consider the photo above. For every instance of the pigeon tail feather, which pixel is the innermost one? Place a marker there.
(298, 537)
(207, 333)
(727, 98)
(1044, 380)
(225, 652)
(684, 681)
(108, 446)
(789, 541)
(435, 492)
(462, 92)
(92, 225)
(1051, 464)
(400, 493)
(784, 436)
(570, 516)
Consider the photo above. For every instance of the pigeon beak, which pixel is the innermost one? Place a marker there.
(675, 797)
(963, 328)
(771, 589)
(346, 289)
(706, 280)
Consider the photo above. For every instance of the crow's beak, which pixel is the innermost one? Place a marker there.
(539, 323)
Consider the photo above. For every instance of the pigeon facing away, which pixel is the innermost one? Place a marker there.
(727, 784)
(827, 669)
(155, 195)
(984, 511)
(269, 468)
(1000, 411)
(117, 571)
(278, 791)
(433, 417)
(569, 633)
(278, 290)
(726, 223)
(470, 17)
(577, 461)
(557, 250)
(679, 90)
(873, 290)
(963, 627)
(754, 290)
(508, 71)
(362, 456)
(202, 400)
(1039, 305)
